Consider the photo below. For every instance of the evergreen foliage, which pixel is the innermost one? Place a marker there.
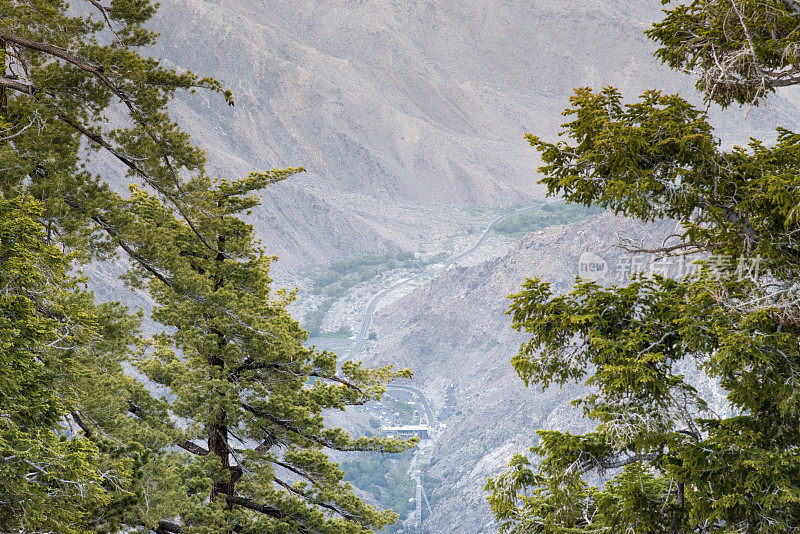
(386, 478)
(36, 463)
(671, 461)
(223, 428)
(59, 372)
(243, 383)
(740, 51)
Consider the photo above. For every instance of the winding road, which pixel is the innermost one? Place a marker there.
(419, 395)
(358, 342)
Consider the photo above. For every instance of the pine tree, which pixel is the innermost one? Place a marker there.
(674, 464)
(71, 451)
(235, 438)
(35, 462)
(55, 479)
(251, 396)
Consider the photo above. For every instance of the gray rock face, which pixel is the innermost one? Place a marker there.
(454, 330)
(398, 109)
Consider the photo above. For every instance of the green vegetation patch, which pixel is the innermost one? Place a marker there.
(544, 216)
(342, 276)
(345, 274)
(386, 478)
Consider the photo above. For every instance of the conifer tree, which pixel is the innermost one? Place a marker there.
(35, 464)
(64, 70)
(673, 464)
(250, 395)
(57, 371)
(71, 451)
(234, 441)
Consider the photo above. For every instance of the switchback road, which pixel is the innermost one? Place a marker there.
(420, 396)
(358, 343)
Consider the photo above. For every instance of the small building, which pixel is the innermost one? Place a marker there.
(407, 431)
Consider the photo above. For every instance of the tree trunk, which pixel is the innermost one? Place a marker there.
(3, 95)
(677, 524)
(218, 430)
(218, 444)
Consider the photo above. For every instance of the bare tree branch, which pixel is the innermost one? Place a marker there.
(17, 86)
(686, 248)
(193, 448)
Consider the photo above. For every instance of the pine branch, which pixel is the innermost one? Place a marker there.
(263, 509)
(17, 86)
(193, 448)
(294, 429)
(83, 426)
(313, 500)
(622, 461)
(737, 219)
(98, 72)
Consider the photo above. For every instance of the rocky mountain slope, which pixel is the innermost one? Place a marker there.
(400, 111)
(404, 113)
(454, 330)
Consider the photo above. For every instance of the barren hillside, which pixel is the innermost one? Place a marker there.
(401, 111)
(454, 330)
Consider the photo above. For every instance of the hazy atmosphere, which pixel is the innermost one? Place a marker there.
(350, 267)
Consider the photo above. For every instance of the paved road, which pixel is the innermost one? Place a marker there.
(358, 343)
(489, 231)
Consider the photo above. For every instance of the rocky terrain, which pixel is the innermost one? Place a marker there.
(454, 330)
(400, 111)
